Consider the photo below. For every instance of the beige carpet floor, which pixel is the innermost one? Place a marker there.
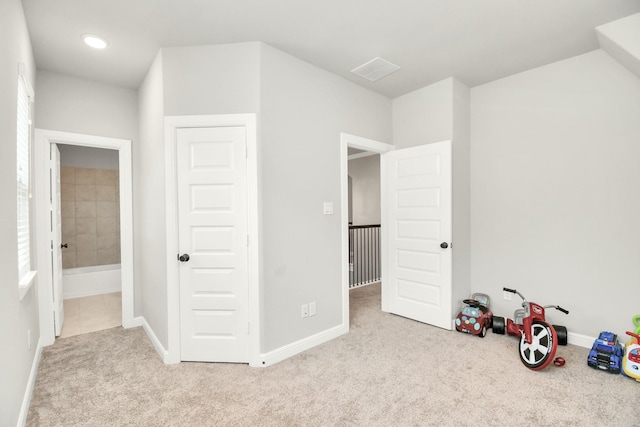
(387, 371)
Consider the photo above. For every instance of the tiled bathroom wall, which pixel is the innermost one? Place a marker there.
(90, 216)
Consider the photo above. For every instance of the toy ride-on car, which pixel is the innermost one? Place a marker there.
(606, 353)
(475, 317)
(631, 360)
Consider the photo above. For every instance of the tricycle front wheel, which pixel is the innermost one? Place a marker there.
(540, 352)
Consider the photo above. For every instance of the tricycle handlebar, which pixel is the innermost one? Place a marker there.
(513, 291)
(562, 309)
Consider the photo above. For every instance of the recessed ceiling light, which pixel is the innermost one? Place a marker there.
(94, 41)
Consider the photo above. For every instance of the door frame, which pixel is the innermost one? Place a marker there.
(353, 141)
(43, 139)
(171, 125)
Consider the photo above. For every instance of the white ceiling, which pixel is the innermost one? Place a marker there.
(476, 41)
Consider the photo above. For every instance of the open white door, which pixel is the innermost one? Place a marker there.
(416, 227)
(212, 227)
(56, 240)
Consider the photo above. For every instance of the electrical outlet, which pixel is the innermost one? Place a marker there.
(507, 295)
(312, 308)
(305, 310)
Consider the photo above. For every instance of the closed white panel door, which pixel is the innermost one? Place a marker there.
(56, 240)
(212, 214)
(416, 222)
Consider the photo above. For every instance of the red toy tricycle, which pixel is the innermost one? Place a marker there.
(538, 339)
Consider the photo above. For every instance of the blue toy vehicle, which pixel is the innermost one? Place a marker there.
(606, 353)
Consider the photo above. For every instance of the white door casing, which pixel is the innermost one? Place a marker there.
(416, 220)
(212, 224)
(56, 240)
(42, 152)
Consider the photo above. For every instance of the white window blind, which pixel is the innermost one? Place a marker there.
(23, 175)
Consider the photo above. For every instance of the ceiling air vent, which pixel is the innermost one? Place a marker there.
(375, 69)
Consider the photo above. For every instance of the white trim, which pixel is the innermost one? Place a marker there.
(26, 282)
(171, 125)
(43, 139)
(580, 340)
(361, 155)
(289, 350)
(162, 352)
(377, 147)
(22, 73)
(384, 220)
(28, 393)
(365, 144)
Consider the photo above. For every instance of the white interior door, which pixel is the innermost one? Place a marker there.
(56, 240)
(416, 225)
(212, 227)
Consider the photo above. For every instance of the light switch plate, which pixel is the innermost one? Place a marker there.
(328, 208)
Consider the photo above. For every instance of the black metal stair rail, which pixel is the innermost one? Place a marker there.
(364, 255)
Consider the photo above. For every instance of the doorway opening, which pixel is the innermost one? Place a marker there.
(361, 213)
(90, 239)
(88, 221)
(364, 218)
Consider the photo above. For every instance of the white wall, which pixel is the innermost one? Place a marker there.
(424, 115)
(461, 141)
(365, 191)
(149, 222)
(303, 110)
(17, 317)
(88, 157)
(554, 184)
(213, 79)
(71, 104)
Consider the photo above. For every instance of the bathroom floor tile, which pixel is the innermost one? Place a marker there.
(92, 313)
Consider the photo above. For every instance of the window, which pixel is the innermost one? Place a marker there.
(23, 149)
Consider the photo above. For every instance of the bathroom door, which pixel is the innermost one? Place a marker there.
(56, 239)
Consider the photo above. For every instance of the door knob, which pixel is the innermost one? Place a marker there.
(444, 245)
(183, 258)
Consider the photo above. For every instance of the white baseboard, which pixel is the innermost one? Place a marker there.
(133, 322)
(28, 393)
(162, 352)
(580, 340)
(282, 353)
